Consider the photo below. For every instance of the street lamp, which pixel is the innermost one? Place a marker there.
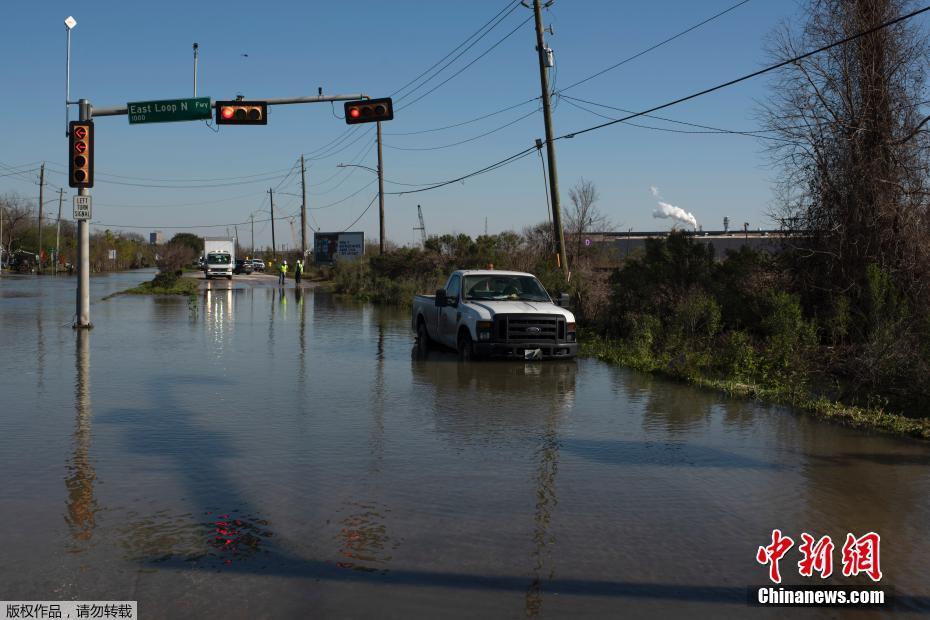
(380, 192)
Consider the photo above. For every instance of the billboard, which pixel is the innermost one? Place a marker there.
(330, 247)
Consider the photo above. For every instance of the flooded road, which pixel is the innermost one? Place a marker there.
(269, 454)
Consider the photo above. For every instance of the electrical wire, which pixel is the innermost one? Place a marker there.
(656, 46)
(748, 76)
(494, 166)
(477, 118)
(342, 200)
(704, 129)
(512, 5)
(207, 180)
(473, 61)
(361, 214)
(460, 142)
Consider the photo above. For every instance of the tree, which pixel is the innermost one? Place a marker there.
(852, 149)
(584, 216)
(192, 241)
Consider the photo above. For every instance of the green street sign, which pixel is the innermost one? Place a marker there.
(170, 110)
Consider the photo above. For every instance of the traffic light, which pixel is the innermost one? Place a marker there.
(369, 111)
(81, 154)
(241, 113)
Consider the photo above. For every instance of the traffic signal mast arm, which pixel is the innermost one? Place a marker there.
(119, 110)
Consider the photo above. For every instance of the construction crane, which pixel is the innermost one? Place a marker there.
(421, 227)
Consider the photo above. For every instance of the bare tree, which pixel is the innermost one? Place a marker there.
(584, 216)
(852, 149)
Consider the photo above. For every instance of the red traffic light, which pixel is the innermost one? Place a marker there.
(241, 112)
(81, 154)
(369, 111)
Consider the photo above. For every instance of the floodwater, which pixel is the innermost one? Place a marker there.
(275, 454)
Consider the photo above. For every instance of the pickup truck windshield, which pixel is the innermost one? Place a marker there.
(218, 259)
(504, 288)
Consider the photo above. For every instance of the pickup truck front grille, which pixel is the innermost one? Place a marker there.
(529, 327)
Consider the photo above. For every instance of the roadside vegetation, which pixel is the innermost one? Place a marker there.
(172, 259)
(21, 240)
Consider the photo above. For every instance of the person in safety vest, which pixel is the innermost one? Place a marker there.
(298, 270)
(282, 273)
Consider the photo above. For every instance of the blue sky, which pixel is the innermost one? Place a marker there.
(133, 51)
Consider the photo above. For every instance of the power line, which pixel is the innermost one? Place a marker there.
(460, 142)
(747, 76)
(478, 118)
(361, 214)
(342, 200)
(656, 46)
(512, 5)
(474, 60)
(703, 129)
(494, 166)
(208, 180)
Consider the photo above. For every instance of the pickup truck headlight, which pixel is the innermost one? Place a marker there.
(484, 329)
(570, 332)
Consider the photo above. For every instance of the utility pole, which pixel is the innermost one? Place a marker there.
(1, 240)
(274, 248)
(83, 232)
(61, 199)
(303, 209)
(252, 250)
(380, 190)
(41, 199)
(550, 145)
(236, 243)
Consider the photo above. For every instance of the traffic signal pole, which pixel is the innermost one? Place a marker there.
(303, 209)
(550, 145)
(82, 311)
(88, 112)
(380, 192)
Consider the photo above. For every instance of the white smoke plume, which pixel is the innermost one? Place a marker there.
(665, 210)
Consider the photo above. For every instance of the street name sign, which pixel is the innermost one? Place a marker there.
(169, 110)
(82, 207)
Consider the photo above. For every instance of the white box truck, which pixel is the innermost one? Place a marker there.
(219, 257)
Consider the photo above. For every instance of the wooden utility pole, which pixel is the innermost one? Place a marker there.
(380, 191)
(550, 145)
(252, 250)
(61, 199)
(274, 248)
(303, 209)
(41, 199)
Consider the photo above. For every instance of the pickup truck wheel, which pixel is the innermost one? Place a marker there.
(466, 347)
(423, 341)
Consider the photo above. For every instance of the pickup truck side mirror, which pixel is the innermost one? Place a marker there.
(441, 299)
(563, 300)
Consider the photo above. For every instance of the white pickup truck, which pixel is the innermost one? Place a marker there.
(488, 313)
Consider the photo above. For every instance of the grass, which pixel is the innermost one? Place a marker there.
(164, 286)
(623, 354)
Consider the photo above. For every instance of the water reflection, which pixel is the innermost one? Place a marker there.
(82, 507)
(508, 402)
(364, 542)
(218, 314)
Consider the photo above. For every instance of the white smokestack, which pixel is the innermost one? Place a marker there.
(665, 211)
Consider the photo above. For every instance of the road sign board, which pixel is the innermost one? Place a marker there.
(169, 110)
(82, 207)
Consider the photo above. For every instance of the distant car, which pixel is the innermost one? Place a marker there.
(258, 264)
(242, 266)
